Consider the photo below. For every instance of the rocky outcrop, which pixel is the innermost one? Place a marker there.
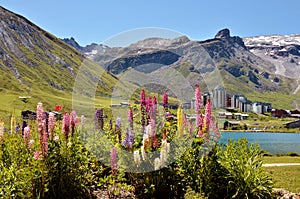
(284, 194)
(223, 34)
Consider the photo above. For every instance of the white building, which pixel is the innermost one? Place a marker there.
(219, 97)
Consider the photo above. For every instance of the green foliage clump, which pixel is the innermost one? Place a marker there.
(244, 173)
(231, 171)
(68, 170)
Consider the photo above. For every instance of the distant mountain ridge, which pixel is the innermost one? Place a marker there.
(231, 53)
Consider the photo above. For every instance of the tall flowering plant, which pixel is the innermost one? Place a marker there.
(143, 108)
(73, 119)
(43, 134)
(66, 125)
(114, 160)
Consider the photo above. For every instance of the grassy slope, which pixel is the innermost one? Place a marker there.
(282, 99)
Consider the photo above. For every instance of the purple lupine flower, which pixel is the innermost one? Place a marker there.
(165, 101)
(99, 118)
(119, 122)
(73, 118)
(18, 128)
(198, 104)
(208, 116)
(27, 135)
(51, 124)
(114, 160)
(39, 112)
(128, 140)
(24, 124)
(66, 125)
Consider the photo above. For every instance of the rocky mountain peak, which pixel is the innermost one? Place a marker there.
(223, 34)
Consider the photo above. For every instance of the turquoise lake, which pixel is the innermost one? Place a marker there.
(275, 143)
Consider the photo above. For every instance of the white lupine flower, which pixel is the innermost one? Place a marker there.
(157, 163)
(165, 149)
(137, 157)
(143, 153)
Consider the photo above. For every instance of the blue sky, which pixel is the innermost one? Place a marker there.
(97, 20)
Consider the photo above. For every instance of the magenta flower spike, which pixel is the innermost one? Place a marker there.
(208, 116)
(143, 98)
(198, 104)
(143, 108)
(130, 118)
(66, 125)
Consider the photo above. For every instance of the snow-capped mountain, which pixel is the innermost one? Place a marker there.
(283, 51)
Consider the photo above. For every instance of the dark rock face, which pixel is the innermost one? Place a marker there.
(253, 78)
(159, 57)
(223, 34)
(73, 43)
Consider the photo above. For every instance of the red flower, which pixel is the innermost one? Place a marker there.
(58, 107)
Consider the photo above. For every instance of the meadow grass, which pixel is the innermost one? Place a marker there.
(286, 177)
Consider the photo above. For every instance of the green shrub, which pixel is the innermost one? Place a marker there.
(245, 178)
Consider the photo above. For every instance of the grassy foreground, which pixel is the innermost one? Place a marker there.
(286, 177)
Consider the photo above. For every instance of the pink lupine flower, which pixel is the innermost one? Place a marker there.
(26, 135)
(148, 103)
(73, 118)
(114, 160)
(45, 143)
(215, 129)
(56, 138)
(39, 112)
(66, 125)
(30, 143)
(198, 104)
(51, 124)
(208, 116)
(42, 131)
(36, 155)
